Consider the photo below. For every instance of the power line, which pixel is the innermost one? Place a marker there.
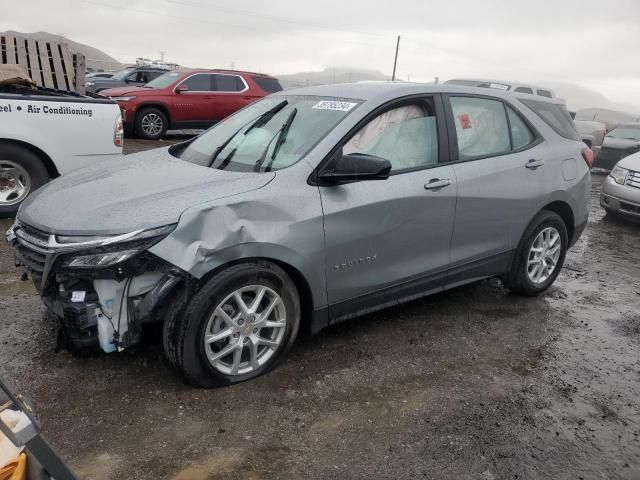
(215, 22)
(274, 18)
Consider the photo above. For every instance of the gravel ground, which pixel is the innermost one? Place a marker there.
(472, 383)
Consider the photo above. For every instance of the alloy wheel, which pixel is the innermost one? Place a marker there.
(544, 255)
(15, 183)
(152, 124)
(245, 330)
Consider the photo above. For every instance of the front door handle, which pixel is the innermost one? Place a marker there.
(534, 163)
(436, 183)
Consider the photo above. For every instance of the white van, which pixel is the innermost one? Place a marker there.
(507, 86)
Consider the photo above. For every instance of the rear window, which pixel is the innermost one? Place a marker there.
(556, 116)
(269, 85)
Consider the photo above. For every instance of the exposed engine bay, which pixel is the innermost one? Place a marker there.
(101, 289)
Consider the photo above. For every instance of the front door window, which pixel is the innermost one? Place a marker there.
(406, 136)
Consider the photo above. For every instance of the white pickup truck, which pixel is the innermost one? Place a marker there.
(45, 133)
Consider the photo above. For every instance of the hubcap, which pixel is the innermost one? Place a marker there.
(152, 124)
(15, 183)
(245, 330)
(544, 255)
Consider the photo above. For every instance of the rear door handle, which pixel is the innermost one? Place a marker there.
(534, 163)
(436, 183)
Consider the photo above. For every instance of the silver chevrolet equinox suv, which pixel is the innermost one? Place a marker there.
(304, 209)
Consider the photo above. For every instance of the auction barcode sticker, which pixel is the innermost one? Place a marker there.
(333, 105)
(78, 296)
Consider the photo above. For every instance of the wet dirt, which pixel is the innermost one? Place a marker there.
(472, 383)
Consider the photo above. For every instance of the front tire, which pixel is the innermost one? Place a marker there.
(151, 123)
(236, 327)
(21, 172)
(539, 257)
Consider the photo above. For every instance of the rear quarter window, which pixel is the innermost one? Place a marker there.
(269, 85)
(556, 116)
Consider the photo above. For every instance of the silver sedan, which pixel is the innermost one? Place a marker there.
(621, 190)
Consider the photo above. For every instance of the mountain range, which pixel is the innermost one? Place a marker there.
(94, 59)
(576, 96)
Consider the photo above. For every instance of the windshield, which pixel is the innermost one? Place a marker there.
(631, 133)
(163, 80)
(122, 74)
(271, 134)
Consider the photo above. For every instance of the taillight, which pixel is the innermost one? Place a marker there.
(118, 132)
(587, 154)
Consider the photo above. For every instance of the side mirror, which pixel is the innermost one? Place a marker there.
(182, 88)
(356, 167)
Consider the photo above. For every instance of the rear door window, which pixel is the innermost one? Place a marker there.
(227, 83)
(556, 116)
(545, 93)
(524, 90)
(481, 125)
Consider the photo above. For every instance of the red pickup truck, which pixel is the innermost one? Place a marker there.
(188, 99)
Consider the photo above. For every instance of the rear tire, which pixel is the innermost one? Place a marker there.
(530, 273)
(241, 333)
(151, 124)
(21, 172)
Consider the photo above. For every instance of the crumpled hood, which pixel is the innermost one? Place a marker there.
(620, 143)
(122, 91)
(144, 190)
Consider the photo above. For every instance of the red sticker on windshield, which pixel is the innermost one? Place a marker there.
(465, 121)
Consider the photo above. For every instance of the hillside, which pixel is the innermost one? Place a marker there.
(329, 75)
(94, 59)
(579, 98)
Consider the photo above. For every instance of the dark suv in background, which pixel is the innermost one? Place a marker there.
(188, 99)
(133, 76)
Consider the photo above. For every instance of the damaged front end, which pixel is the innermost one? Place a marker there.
(101, 289)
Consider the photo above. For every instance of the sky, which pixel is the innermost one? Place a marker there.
(592, 43)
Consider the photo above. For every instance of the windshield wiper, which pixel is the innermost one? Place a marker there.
(223, 145)
(284, 131)
(261, 120)
(266, 116)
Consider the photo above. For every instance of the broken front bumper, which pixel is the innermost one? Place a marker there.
(101, 290)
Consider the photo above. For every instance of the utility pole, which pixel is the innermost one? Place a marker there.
(162, 56)
(395, 61)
